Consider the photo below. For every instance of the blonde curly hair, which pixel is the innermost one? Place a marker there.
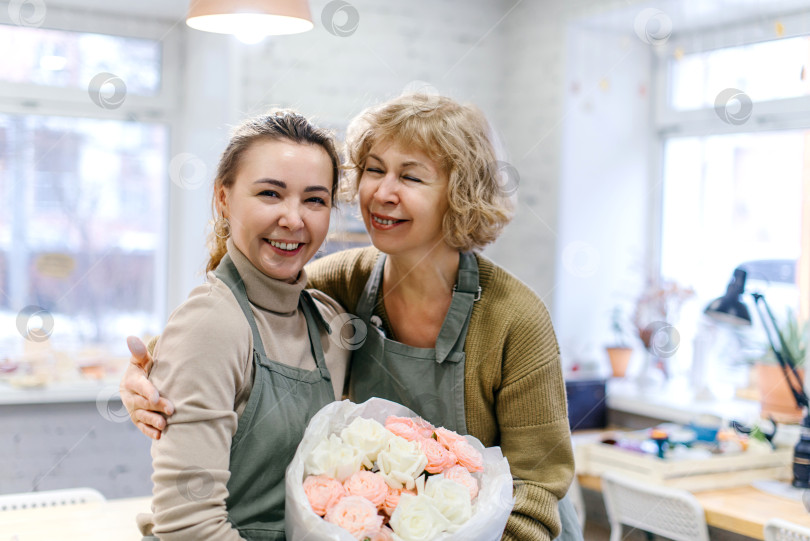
(458, 138)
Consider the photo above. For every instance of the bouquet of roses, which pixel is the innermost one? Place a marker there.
(376, 471)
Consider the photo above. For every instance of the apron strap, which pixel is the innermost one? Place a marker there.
(454, 329)
(313, 316)
(468, 275)
(365, 306)
(226, 271)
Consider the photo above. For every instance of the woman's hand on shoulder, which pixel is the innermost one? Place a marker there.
(143, 402)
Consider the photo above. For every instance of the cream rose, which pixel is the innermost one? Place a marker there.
(417, 519)
(451, 499)
(333, 458)
(367, 435)
(401, 462)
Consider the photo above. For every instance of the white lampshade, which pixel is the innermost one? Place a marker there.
(250, 17)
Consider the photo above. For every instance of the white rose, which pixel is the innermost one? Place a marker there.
(367, 435)
(401, 462)
(417, 519)
(451, 499)
(333, 458)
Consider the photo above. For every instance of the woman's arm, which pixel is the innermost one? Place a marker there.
(342, 275)
(200, 364)
(532, 416)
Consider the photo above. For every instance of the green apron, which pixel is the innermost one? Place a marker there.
(428, 381)
(281, 403)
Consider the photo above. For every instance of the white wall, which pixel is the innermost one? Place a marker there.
(605, 191)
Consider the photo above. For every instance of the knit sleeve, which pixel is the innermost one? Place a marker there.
(533, 422)
(342, 275)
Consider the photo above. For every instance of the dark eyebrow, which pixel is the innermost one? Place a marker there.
(283, 185)
(272, 181)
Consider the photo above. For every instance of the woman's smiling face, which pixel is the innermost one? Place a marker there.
(279, 205)
(403, 198)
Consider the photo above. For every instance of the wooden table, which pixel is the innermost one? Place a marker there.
(95, 521)
(742, 510)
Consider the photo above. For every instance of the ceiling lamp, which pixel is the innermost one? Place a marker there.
(250, 20)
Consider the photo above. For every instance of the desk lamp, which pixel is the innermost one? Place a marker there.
(730, 309)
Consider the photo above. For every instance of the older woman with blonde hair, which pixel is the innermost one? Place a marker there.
(441, 329)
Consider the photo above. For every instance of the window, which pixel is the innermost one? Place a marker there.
(61, 58)
(736, 155)
(765, 71)
(84, 148)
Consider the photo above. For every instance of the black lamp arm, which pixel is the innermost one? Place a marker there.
(783, 354)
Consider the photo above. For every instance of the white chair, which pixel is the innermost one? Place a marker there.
(672, 513)
(49, 498)
(777, 529)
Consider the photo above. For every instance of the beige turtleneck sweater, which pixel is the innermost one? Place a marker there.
(203, 364)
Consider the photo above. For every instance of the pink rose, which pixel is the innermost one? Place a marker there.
(356, 515)
(370, 486)
(460, 475)
(403, 420)
(322, 492)
(447, 437)
(403, 427)
(392, 499)
(439, 458)
(467, 456)
(385, 534)
(425, 428)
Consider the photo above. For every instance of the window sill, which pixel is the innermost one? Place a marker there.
(675, 401)
(102, 391)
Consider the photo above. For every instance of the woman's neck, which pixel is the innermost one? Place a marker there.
(421, 277)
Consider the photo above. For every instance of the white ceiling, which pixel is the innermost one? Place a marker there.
(684, 14)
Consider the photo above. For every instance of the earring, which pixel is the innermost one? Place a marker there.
(222, 228)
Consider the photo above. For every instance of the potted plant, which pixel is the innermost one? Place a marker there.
(775, 397)
(620, 352)
(656, 313)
